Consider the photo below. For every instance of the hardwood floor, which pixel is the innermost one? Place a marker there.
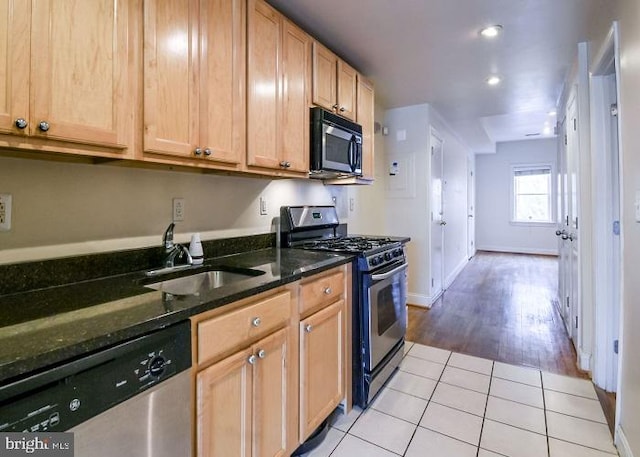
(501, 307)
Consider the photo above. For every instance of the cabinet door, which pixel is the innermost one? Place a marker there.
(222, 79)
(296, 50)
(15, 38)
(263, 88)
(365, 117)
(171, 77)
(80, 71)
(324, 77)
(346, 91)
(270, 396)
(321, 366)
(224, 405)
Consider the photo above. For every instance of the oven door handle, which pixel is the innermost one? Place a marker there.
(388, 274)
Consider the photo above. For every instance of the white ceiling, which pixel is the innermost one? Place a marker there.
(430, 51)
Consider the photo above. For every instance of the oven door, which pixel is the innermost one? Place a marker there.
(385, 312)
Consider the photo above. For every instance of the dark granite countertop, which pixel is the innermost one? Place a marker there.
(44, 327)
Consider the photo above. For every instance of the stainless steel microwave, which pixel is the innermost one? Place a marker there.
(336, 146)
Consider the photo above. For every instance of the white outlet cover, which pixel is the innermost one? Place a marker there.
(5, 210)
(178, 209)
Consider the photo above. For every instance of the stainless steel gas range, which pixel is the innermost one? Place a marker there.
(379, 290)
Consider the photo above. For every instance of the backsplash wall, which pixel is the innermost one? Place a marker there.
(65, 209)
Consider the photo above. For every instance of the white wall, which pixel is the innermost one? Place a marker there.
(399, 204)
(494, 230)
(65, 209)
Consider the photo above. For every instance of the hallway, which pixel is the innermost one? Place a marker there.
(501, 307)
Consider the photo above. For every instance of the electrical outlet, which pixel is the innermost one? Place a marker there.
(263, 206)
(178, 209)
(5, 212)
(352, 204)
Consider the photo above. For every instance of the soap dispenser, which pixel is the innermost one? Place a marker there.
(195, 249)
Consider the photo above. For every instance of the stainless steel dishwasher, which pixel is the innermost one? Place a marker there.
(130, 400)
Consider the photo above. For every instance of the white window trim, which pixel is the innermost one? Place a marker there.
(552, 196)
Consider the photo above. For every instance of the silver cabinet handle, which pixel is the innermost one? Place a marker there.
(208, 152)
(262, 354)
(198, 151)
(256, 322)
(342, 109)
(558, 232)
(308, 328)
(335, 107)
(443, 222)
(285, 164)
(252, 359)
(328, 291)
(564, 236)
(43, 126)
(21, 123)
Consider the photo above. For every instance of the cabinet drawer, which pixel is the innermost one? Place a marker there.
(221, 334)
(321, 291)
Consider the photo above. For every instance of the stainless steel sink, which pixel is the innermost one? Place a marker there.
(201, 282)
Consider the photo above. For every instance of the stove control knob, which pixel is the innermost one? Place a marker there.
(387, 256)
(397, 253)
(374, 261)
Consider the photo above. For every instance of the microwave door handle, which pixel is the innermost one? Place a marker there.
(352, 153)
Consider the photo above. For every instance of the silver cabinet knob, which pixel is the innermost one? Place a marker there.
(342, 109)
(256, 322)
(283, 164)
(252, 359)
(443, 222)
(262, 354)
(198, 151)
(328, 291)
(21, 123)
(564, 236)
(208, 152)
(43, 126)
(308, 328)
(572, 237)
(335, 107)
(559, 232)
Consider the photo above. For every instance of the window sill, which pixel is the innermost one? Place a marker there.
(533, 224)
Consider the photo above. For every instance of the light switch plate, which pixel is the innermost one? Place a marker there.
(263, 206)
(637, 206)
(5, 212)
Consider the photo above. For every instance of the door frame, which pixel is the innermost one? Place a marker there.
(434, 134)
(606, 198)
(471, 207)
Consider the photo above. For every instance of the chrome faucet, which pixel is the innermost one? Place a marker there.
(173, 250)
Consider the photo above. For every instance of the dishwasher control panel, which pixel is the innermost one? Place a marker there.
(67, 395)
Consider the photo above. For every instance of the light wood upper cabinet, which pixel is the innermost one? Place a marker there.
(365, 117)
(15, 38)
(334, 83)
(277, 91)
(194, 67)
(65, 73)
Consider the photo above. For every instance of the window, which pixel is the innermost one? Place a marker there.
(532, 194)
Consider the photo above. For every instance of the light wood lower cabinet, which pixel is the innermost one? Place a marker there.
(242, 402)
(321, 366)
(271, 368)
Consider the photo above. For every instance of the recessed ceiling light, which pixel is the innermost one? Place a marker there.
(546, 131)
(491, 31)
(552, 113)
(493, 80)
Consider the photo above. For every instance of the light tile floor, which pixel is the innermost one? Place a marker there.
(443, 404)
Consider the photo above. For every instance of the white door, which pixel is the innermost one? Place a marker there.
(438, 221)
(562, 231)
(573, 220)
(471, 226)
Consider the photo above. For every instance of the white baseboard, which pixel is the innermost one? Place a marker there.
(424, 301)
(584, 360)
(624, 449)
(454, 274)
(518, 250)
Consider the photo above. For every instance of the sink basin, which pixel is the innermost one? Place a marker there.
(200, 282)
